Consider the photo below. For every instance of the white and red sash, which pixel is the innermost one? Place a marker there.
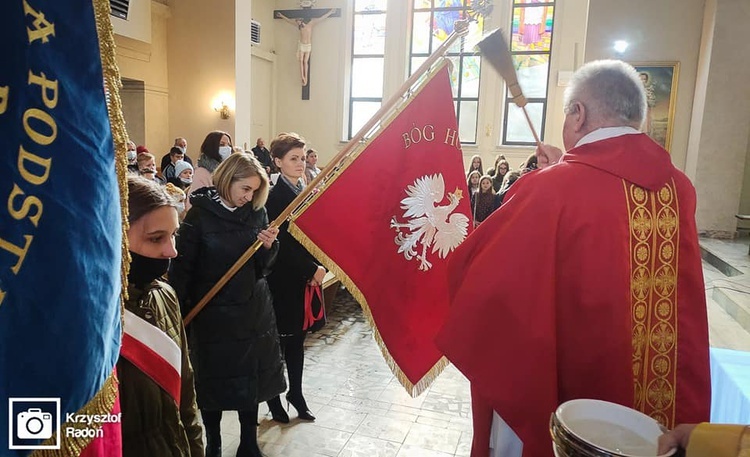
(153, 352)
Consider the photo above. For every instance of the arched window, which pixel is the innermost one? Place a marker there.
(531, 47)
(368, 59)
(432, 23)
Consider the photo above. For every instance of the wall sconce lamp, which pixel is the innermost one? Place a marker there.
(223, 110)
(223, 104)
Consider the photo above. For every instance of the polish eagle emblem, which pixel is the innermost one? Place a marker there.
(427, 223)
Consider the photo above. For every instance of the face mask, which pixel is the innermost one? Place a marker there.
(224, 151)
(143, 270)
(184, 150)
(186, 181)
(180, 207)
(132, 155)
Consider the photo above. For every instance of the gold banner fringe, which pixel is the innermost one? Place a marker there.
(102, 403)
(412, 389)
(113, 83)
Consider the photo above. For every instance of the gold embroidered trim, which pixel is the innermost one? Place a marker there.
(412, 389)
(112, 84)
(102, 403)
(654, 247)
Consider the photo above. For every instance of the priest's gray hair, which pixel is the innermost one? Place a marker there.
(611, 91)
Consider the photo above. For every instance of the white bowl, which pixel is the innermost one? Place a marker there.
(610, 427)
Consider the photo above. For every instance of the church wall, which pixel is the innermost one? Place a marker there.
(147, 62)
(201, 59)
(721, 139)
(663, 31)
(318, 120)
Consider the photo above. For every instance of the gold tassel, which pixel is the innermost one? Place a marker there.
(102, 403)
(113, 83)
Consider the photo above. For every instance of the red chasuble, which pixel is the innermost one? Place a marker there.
(586, 283)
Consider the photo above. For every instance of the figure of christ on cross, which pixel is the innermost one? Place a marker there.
(304, 46)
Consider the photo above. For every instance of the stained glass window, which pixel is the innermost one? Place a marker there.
(432, 23)
(531, 47)
(368, 59)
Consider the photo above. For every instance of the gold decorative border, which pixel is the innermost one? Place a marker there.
(654, 247)
(414, 389)
(104, 400)
(102, 403)
(113, 83)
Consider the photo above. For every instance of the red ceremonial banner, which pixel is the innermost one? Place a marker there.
(388, 222)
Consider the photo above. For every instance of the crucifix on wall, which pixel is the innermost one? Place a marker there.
(305, 20)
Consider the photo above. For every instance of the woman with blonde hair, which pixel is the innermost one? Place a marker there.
(233, 341)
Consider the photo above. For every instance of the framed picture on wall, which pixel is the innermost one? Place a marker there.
(660, 80)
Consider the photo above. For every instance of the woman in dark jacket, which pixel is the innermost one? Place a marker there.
(233, 340)
(295, 268)
(154, 422)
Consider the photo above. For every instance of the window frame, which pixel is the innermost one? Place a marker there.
(508, 100)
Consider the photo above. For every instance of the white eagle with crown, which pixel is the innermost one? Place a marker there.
(428, 224)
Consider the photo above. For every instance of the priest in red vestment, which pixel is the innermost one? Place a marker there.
(595, 287)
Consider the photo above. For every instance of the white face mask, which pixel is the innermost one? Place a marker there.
(132, 155)
(225, 151)
(180, 207)
(186, 181)
(184, 150)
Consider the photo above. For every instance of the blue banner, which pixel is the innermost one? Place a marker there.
(60, 223)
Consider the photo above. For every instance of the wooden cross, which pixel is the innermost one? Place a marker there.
(305, 20)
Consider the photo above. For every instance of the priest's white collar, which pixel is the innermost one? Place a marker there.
(606, 133)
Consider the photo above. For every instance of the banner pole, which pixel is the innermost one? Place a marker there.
(461, 28)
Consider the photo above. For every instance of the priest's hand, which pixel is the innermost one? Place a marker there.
(547, 155)
(677, 438)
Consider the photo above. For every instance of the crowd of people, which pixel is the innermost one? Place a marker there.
(488, 190)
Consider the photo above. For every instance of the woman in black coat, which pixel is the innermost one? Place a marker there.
(294, 269)
(233, 341)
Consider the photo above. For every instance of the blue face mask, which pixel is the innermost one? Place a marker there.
(225, 151)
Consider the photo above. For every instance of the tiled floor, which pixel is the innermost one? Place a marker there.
(362, 410)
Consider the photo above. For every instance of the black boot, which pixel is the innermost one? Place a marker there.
(212, 424)
(277, 411)
(249, 434)
(299, 403)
